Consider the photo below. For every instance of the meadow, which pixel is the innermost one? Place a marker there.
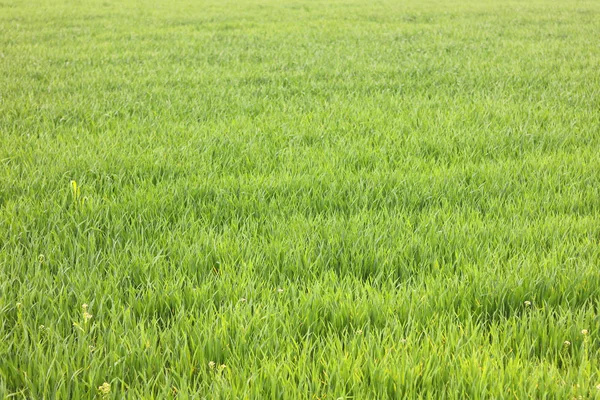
(302, 199)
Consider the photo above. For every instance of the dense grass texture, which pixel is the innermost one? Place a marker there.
(299, 199)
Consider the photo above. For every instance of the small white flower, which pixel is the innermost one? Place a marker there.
(86, 316)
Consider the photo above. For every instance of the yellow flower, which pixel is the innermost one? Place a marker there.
(104, 388)
(211, 364)
(584, 331)
(527, 303)
(567, 343)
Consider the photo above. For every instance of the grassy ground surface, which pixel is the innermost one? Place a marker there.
(304, 199)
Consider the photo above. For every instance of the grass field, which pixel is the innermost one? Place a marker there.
(299, 200)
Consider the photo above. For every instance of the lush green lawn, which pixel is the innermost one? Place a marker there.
(304, 199)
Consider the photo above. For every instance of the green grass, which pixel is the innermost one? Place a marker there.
(341, 199)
